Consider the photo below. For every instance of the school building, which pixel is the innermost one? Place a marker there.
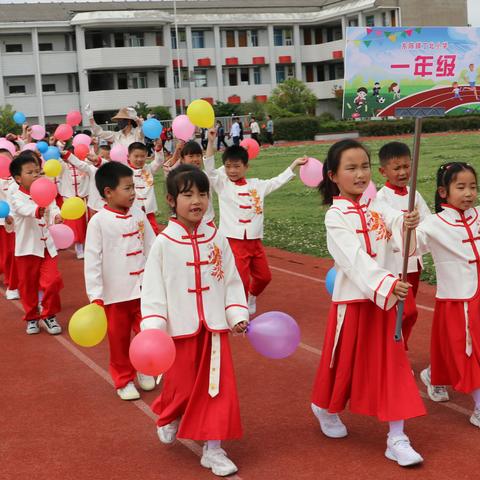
(55, 57)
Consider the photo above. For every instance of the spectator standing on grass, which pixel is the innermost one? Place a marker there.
(270, 129)
(220, 135)
(255, 130)
(235, 131)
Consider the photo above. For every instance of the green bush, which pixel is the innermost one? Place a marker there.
(296, 128)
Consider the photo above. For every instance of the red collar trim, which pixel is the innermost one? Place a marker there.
(117, 212)
(240, 182)
(178, 222)
(458, 210)
(24, 190)
(355, 203)
(402, 191)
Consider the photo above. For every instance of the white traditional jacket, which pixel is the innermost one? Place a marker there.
(242, 202)
(94, 201)
(190, 279)
(4, 186)
(398, 199)
(358, 238)
(453, 238)
(119, 138)
(74, 182)
(32, 236)
(144, 185)
(116, 248)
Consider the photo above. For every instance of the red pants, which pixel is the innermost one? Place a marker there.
(79, 227)
(122, 318)
(34, 274)
(410, 312)
(185, 391)
(153, 222)
(7, 259)
(252, 264)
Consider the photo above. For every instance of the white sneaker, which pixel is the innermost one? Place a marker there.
(400, 451)
(128, 392)
(168, 433)
(216, 459)
(252, 304)
(475, 418)
(437, 393)
(79, 251)
(146, 382)
(51, 325)
(330, 423)
(32, 327)
(12, 294)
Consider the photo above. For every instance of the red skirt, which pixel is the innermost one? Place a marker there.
(370, 369)
(185, 391)
(450, 363)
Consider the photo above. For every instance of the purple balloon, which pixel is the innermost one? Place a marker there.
(274, 334)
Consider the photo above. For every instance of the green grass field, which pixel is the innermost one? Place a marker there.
(294, 214)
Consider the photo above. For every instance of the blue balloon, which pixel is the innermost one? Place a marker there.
(19, 118)
(152, 128)
(42, 146)
(4, 209)
(330, 280)
(52, 152)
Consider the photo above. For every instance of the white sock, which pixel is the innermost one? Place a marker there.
(396, 428)
(476, 397)
(212, 444)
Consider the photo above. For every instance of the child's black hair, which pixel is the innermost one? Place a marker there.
(191, 148)
(446, 174)
(105, 147)
(20, 160)
(235, 152)
(7, 151)
(109, 175)
(327, 187)
(393, 150)
(137, 146)
(184, 177)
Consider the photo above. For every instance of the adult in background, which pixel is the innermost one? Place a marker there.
(129, 127)
(235, 131)
(220, 135)
(269, 131)
(255, 130)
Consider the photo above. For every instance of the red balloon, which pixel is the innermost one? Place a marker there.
(81, 151)
(251, 146)
(43, 192)
(63, 132)
(5, 166)
(152, 352)
(74, 118)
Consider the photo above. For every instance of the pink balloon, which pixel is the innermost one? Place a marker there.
(4, 166)
(81, 138)
(74, 118)
(43, 192)
(7, 145)
(311, 174)
(119, 153)
(251, 146)
(370, 193)
(152, 352)
(38, 132)
(63, 132)
(62, 235)
(30, 146)
(183, 128)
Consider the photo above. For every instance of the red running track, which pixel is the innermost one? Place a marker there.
(61, 419)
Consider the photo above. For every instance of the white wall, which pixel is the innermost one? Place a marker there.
(28, 81)
(25, 40)
(58, 40)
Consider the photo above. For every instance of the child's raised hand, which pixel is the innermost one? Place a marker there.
(212, 134)
(9, 220)
(401, 289)
(58, 219)
(240, 327)
(299, 161)
(411, 219)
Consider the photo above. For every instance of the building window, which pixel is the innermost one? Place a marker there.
(198, 39)
(284, 72)
(253, 38)
(257, 76)
(122, 81)
(119, 40)
(370, 20)
(14, 48)
(244, 76)
(318, 36)
(45, 47)
(393, 18)
(182, 38)
(162, 79)
(138, 80)
(278, 37)
(309, 73)
(242, 38)
(16, 89)
(320, 73)
(136, 40)
(232, 77)
(230, 37)
(307, 36)
(288, 35)
(337, 33)
(49, 87)
(353, 22)
(159, 39)
(200, 77)
(185, 78)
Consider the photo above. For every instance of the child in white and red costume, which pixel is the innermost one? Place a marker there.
(361, 364)
(192, 290)
(241, 202)
(452, 236)
(118, 241)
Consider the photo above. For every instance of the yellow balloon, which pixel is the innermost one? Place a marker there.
(52, 168)
(72, 208)
(201, 114)
(88, 325)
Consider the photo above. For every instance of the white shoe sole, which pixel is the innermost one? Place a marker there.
(167, 440)
(391, 456)
(425, 380)
(474, 421)
(342, 433)
(51, 331)
(146, 386)
(33, 332)
(206, 464)
(128, 397)
(12, 297)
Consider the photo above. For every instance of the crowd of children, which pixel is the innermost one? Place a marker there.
(198, 282)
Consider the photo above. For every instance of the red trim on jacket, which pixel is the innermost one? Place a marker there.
(402, 191)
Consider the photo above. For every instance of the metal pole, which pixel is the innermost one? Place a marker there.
(177, 41)
(408, 235)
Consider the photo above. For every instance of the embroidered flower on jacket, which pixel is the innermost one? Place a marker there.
(215, 259)
(375, 223)
(141, 230)
(257, 201)
(147, 177)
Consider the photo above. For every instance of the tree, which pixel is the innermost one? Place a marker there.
(163, 113)
(293, 96)
(223, 109)
(7, 124)
(142, 109)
